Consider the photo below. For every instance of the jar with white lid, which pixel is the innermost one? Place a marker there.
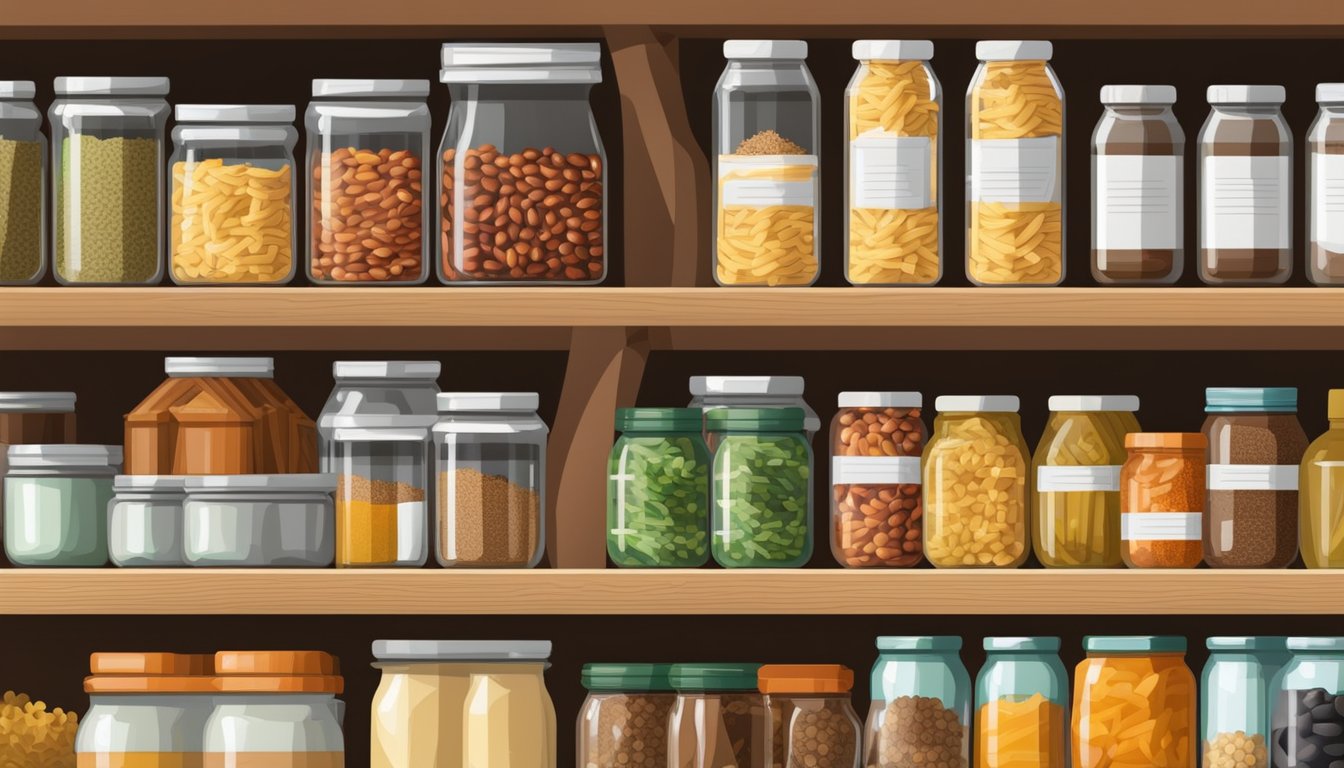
(260, 520)
(710, 392)
(376, 387)
(145, 709)
(1325, 188)
(23, 184)
(144, 521)
(56, 499)
(382, 491)
(275, 709)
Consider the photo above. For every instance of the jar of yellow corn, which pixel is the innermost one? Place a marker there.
(1134, 704)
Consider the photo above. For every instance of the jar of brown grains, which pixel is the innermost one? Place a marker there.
(812, 721)
(920, 715)
(623, 721)
(719, 718)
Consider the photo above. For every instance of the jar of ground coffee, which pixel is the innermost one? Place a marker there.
(1325, 188)
(1138, 187)
(1245, 188)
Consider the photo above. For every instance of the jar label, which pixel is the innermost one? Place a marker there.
(1247, 202)
(410, 530)
(875, 470)
(890, 172)
(1138, 202)
(1015, 170)
(1069, 479)
(1252, 477)
(1161, 526)
(1327, 216)
(761, 181)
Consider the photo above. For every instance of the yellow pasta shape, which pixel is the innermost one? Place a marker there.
(766, 245)
(231, 223)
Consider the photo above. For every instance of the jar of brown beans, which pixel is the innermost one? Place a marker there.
(812, 720)
(624, 720)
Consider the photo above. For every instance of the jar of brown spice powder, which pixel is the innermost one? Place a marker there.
(1162, 499)
(812, 720)
(623, 722)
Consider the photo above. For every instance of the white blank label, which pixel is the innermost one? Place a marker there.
(1138, 202)
(1252, 477)
(1246, 202)
(1015, 170)
(1327, 215)
(1068, 479)
(890, 172)
(1161, 526)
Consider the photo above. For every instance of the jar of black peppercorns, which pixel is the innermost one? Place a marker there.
(1308, 720)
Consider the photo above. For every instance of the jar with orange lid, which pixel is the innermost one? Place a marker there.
(812, 720)
(1134, 704)
(1162, 488)
(275, 709)
(146, 710)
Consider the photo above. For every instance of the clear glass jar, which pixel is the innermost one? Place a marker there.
(1075, 509)
(893, 166)
(876, 442)
(107, 160)
(510, 720)
(812, 720)
(33, 417)
(56, 500)
(1162, 490)
(405, 388)
(1022, 704)
(260, 520)
(1308, 713)
(1134, 703)
(144, 521)
(658, 489)
(1138, 188)
(921, 704)
(23, 185)
(382, 493)
(490, 462)
(275, 709)
(233, 193)
(1236, 700)
(624, 720)
(145, 710)
(710, 392)
(767, 179)
(367, 144)
(976, 481)
(522, 159)
(1245, 188)
(1321, 500)
(1325, 188)
(719, 719)
(1015, 166)
(762, 488)
(1256, 446)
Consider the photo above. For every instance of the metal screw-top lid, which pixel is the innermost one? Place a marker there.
(1014, 50)
(386, 369)
(59, 455)
(1119, 95)
(149, 483)
(765, 49)
(234, 113)
(334, 88)
(880, 400)
(227, 367)
(1246, 94)
(746, 385)
(1094, 403)
(111, 86)
(977, 404)
(892, 50)
(289, 483)
(1257, 399)
(449, 402)
(17, 89)
(37, 402)
(462, 650)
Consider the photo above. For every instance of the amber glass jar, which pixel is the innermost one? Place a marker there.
(1134, 704)
(1162, 499)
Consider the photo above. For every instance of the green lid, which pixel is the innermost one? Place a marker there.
(1262, 399)
(714, 677)
(754, 419)
(1260, 643)
(1024, 644)
(1316, 643)
(919, 643)
(1134, 644)
(627, 677)
(659, 419)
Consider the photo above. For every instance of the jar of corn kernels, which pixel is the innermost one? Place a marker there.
(1162, 499)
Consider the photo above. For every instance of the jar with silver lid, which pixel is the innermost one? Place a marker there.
(23, 184)
(260, 520)
(144, 521)
(376, 387)
(709, 392)
(56, 499)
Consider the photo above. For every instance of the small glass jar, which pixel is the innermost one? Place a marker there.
(976, 472)
(658, 489)
(767, 179)
(876, 442)
(893, 165)
(710, 392)
(490, 463)
(1245, 188)
(1321, 500)
(56, 499)
(719, 719)
(1162, 499)
(1325, 188)
(1138, 188)
(367, 144)
(144, 521)
(260, 520)
(382, 492)
(812, 720)
(34, 417)
(376, 387)
(624, 720)
(1022, 704)
(276, 709)
(1075, 508)
(23, 185)
(762, 488)
(145, 709)
(107, 160)
(522, 160)
(1236, 700)
(1308, 711)
(1134, 702)
(1015, 166)
(921, 704)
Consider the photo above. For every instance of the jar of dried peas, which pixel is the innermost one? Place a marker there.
(1162, 499)
(893, 108)
(1237, 686)
(1022, 701)
(1134, 703)
(1015, 166)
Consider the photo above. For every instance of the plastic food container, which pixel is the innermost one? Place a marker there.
(1134, 698)
(34, 417)
(1162, 499)
(1321, 501)
(376, 388)
(382, 492)
(260, 520)
(658, 489)
(275, 709)
(56, 499)
(921, 702)
(1076, 502)
(1237, 694)
(812, 721)
(710, 392)
(623, 722)
(893, 165)
(1307, 719)
(23, 184)
(767, 179)
(719, 718)
(522, 160)
(976, 471)
(1022, 704)
(1325, 188)
(145, 709)
(145, 521)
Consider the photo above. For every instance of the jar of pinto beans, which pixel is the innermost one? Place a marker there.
(876, 512)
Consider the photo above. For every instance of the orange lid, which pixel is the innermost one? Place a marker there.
(275, 663)
(149, 684)
(805, 678)
(1166, 440)
(280, 684)
(143, 664)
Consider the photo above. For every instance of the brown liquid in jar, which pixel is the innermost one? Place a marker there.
(1254, 137)
(275, 760)
(1149, 136)
(1326, 266)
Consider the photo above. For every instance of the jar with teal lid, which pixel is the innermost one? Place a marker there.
(623, 722)
(1235, 700)
(1021, 703)
(658, 489)
(921, 704)
(719, 719)
(1308, 715)
(762, 488)
(1134, 703)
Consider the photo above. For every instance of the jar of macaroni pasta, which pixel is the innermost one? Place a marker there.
(1321, 499)
(623, 722)
(1325, 188)
(23, 185)
(976, 480)
(658, 489)
(1134, 703)
(1022, 704)
(145, 709)
(767, 180)
(921, 704)
(1237, 692)
(719, 718)
(1015, 166)
(893, 162)
(1308, 712)
(1162, 499)
(812, 720)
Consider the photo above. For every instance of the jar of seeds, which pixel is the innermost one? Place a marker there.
(624, 719)
(812, 722)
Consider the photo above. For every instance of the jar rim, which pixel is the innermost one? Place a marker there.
(635, 678)
(660, 419)
(805, 678)
(1170, 440)
(1134, 644)
(919, 643)
(715, 677)
(1022, 644)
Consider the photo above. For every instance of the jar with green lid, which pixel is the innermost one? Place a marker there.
(623, 722)
(921, 704)
(1321, 500)
(1134, 703)
(1308, 713)
(719, 719)
(56, 502)
(1236, 690)
(1022, 702)
(762, 488)
(658, 489)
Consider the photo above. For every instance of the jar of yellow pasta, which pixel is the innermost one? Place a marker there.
(976, 471)
(893, 109)
(1015, 166)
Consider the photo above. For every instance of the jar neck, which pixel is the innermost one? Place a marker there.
(1138, 110)
(1248, 110)
(1333, 108)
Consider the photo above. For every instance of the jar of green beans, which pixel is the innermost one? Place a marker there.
(658, 489)
(762, 488)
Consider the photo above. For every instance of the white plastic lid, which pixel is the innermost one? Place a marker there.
(977, 404)
(315, 483)
(234, 113)
(462, 650)
(17, 89)
(386, 369)
(64, 455)
(1014, 50)
(1329, 93)
(880, 400)
(417, 89)
(1126, 403)
(236, 367)
(488, 401)
(518, 54)
(765, 49)
(1138, 94)
(892, 50)
(111, 86)
(37, 402)
(1246, 94)
(149, 483)
(746, 385)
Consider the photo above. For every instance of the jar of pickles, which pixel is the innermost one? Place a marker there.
(1134, 703)
(920, 715)
(658, 489)
(623, 722)
(1076, 504)
(719, 719)
(23, 184)
(812, 722)
(1162, 499)
(975, 484)
(1321, 501)
(1021, 701)
(1308, 714)
(1236, 690)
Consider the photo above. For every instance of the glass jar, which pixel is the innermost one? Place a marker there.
(490, 462)
(710, 392)
(233, 195)
(719, 719)
(976, 470)
(1256, 446)
(144, 521)
(876, 442)
(1138, 188)
(522, 141)
(658, 489)
(921, 704)
(260, 520)
(56, 499)
(1321, 501)
(1134, 703)
(762, 488)
(1236, 691)
(275, 709)
(1075, 509)
(767, 179)
(23, 185)
(893, 162)
(1325, 188)
(1308, 713)
(1162, 499)
(376, 387)
(1245, 188)
(812, 720)
(367, 144)
(1015, 166)
(1022, 703)
(510, 720)
(382, 492)
(146, 710)
(624, 720)
(34, 417)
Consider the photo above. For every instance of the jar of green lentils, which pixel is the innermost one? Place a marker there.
(107, 159)
(658, 489)
(762, 488)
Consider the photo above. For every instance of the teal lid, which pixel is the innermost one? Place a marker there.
(1316, 643)
(918, 643)
(1266, 399)
(627, 677)
(1258, 643)
(714, 677)
(1022, 644)
(1134, 644)
(659, 419)
(773, 419)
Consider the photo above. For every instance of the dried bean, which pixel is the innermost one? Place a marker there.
(917, 732)
(876, 523)
(367, 213)
(630, 732)
(1310, 731)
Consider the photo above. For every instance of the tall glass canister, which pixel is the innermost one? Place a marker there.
(23, 184)
(1022, 703)
(921, 710)
(1236, 700)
